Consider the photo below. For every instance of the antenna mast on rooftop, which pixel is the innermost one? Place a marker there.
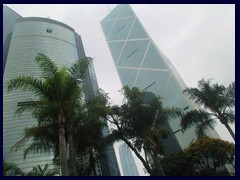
(108, 8)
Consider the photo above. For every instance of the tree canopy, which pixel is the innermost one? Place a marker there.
(217, 103)
(57, 104)
(138, 123)
(206, 156)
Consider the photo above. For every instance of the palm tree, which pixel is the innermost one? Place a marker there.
(38, 171)
(11, 169)
(86, 134)
(138, 123)
(86, 137)
(218, 102)
(56, 92)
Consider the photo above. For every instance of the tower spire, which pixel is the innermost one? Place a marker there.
(108, 8)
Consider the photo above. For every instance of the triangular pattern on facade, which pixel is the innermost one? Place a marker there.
(137, 31)
(173, 96)
(107, 27)
(125, 11)
(152, 81)
(113, 15)
(116, 48)
(153, 71)
(153, 59)
(133, 53)
(121, 29)
(127, 76)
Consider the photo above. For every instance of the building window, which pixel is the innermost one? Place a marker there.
(49, 30)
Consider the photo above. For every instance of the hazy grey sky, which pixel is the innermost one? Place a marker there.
(198, 39)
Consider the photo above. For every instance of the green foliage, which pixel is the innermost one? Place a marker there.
(178, 165)
(211, 153)
(138, 122)
(38, 171)
(199, 119)
(205, 157)
(11, 169)
(218, 102)
(58, 105)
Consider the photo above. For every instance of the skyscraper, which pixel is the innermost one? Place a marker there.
(128, 164)
(27, 37)
(9, 19)
(108, 161)
(140, 63)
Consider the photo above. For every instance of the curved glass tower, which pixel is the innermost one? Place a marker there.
(9, 19)
(31, 36)
(23, 39)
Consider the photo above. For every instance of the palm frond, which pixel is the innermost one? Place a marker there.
(202, 127)
(45, 115)
(44, 170)
(28, 106)
(229, 117)
(166, 114)
(11, 169)
(193, 118)
(27, 83)
(20, 143)
(36, 147)
(210, 96)
(40, 169)
(52, 172)
(18, 171)
(38, 132)
(47, 66)
(195, 95)
(230, 95)
(79, 69)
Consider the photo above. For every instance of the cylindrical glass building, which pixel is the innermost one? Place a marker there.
(31, 36)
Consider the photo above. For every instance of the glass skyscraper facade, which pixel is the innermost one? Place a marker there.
(127, 162)
(9, 19)
(140, 63)
(26, 38)
(108, 161)
(31, 36)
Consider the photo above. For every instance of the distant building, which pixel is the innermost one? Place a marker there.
(108, 161)
(24, 38)
(128, 164)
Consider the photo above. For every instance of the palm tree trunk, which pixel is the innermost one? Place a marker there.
(138, 155)
(159, 166)
(92, 162)
(230, 130)
(62, 148)
(72, 155)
